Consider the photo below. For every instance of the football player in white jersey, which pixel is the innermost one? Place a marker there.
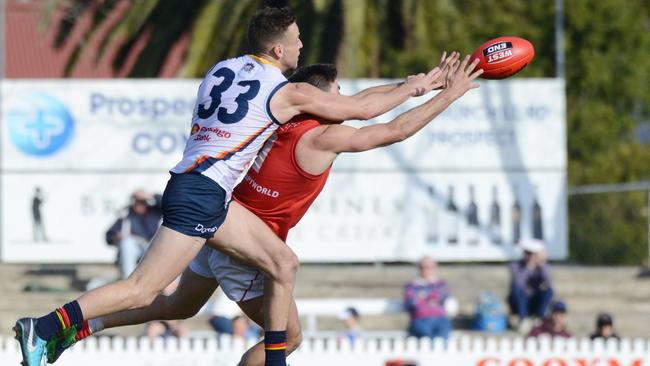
(315, 151)
(240, 103)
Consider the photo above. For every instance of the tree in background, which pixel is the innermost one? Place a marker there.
(607, 72)
(608, 96)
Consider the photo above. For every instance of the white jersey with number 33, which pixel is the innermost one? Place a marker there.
(232, 119)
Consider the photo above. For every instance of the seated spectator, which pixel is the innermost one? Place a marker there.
(555, 324)
(424, 299)
(133, 231)
(604, 327)
(350, 318)
(243, 329)
(223, 312)
(531, 289)
(165, 328)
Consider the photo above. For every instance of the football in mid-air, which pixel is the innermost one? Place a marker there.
(503, 57)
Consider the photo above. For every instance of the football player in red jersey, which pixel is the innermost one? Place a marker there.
(285, 179)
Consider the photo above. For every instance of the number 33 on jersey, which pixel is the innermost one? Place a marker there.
(232, 119)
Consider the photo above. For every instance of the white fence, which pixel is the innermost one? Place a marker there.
(460, 351)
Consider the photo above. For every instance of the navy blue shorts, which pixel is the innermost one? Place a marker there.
(194, 205)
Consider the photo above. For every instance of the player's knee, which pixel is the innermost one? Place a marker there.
(286, 268)
(141, 294)
(145, 298)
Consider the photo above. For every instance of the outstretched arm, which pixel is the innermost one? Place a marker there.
(339, 138)
(386, 88)
(298, 98)
(445, 62)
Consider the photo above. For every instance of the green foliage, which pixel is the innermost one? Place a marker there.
(608, 59)
(607, 46)
(597, 238)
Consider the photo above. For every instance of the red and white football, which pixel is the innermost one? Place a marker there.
(503, 57)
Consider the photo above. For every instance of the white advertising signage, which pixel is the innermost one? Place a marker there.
(72, 154)
(484, 175)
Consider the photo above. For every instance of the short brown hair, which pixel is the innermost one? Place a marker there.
(318, 75)
(267, 26)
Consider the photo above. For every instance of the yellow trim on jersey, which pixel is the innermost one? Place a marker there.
(264, 61)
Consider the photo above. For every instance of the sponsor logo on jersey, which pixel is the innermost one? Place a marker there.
(217, 131)
(201, 138)
(249, 66)
(259, 188)
(498, 52)
(195, 128)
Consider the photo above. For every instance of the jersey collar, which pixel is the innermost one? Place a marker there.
(265, 61)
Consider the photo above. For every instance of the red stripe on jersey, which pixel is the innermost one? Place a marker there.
(281, 192)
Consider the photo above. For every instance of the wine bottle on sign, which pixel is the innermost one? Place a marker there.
(431, 215)
(451, 212)
(495, 219)
(536, 216)
(516, 218)
(472, 219)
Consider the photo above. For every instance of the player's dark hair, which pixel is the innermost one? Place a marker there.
(267, 26)
(318, 75)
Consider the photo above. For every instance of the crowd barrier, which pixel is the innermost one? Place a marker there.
(221, 351)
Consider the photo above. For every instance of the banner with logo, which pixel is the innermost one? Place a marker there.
(484, 175)
(72, 152)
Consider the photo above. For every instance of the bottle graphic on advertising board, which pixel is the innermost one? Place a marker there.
(536, 217)
(431, 217)
(472, 219)
(451, 219)
(516, 217)
(494, 227)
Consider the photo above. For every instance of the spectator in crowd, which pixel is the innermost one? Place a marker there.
(223, 311)
(166, 328)
(350, 318)
(243, 329)
(555, 324)
(424, 299)
(132, 232)
(531, 289)
(604, 327)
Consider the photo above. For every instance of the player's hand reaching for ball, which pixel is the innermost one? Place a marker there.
(446, 61)
(460, 77)
(424, 83)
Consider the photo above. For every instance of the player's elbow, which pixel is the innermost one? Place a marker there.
(394, 133)
(366, 114)
(399, 135)
(363, 110)
(368, 111)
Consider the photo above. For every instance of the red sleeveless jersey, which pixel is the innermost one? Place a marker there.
(275, 188)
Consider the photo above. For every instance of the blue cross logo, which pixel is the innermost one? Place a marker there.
(40, 125)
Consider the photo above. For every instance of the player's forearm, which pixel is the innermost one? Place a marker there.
(375, 104)
(410, 122)
(386, 88)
